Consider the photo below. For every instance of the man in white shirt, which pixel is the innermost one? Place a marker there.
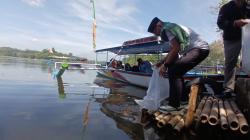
(184, 42)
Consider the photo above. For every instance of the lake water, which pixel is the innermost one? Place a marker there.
(79, 106)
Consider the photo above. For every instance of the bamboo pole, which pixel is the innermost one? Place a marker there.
(179, 126)
(162, 122)
(173, 121)
(157, 113)
(191, 105)
(213, 117)
(232, 119)
(200, 107)
(223, 114)
(206, 110)
(159, 117)
(244, 127)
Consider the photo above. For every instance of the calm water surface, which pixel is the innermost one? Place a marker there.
(79, 106)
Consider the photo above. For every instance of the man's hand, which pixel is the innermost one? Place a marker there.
(162, 70)
(158, 64)
(241, 22)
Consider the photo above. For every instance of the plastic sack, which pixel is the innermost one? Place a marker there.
(246, 49)
(158, 90)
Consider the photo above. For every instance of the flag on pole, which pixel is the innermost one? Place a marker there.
(94, 24)
(94, 34)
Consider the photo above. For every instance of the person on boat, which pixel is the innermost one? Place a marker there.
(144, 66)
(135, 68)
(127, 67)
(112, 63)
(187, 50)
(231, 18)
(119, 65)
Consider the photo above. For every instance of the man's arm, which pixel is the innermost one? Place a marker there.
(173, 54)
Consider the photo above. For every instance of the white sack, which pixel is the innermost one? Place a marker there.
(158, 90)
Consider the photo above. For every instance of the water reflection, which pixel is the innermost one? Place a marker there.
(120, 106)
(32, 110)
(61, 92)
(120, 88)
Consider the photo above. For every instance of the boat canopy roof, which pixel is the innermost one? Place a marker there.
(147, 45)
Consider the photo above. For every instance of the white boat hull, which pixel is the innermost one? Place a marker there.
(134, 78)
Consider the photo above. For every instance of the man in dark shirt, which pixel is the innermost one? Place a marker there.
(232, 17)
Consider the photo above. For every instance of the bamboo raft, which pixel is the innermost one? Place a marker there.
(225, 113)
(210, 111)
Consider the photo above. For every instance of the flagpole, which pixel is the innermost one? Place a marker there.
(94, 28)
(94, 24)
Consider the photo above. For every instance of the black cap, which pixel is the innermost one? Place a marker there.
(152, 25)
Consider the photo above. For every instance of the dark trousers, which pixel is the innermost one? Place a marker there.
(178, 69)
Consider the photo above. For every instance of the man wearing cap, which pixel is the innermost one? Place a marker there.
(187, 51)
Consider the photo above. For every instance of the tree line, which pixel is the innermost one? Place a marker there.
(32, 54)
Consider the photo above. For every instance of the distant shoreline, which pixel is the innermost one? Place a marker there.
(32, 54)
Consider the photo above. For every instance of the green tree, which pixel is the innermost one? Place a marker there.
(44, 54)
(216, 55)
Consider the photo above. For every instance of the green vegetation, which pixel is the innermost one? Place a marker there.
(132, 59)
(44, 54)
(216, 55)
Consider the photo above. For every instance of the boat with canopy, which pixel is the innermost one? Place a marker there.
(147, 46)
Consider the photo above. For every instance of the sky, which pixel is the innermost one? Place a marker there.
(66, 25)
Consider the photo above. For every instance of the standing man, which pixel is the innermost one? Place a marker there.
(232, 17)
(184, 42)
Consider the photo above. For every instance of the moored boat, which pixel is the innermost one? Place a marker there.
(148, 45)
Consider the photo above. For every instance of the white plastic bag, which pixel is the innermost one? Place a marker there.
(246, 49)
(158, 90)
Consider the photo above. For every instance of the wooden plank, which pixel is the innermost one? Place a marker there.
(191, 105)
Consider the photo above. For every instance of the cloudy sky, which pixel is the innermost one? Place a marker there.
(66, 25)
